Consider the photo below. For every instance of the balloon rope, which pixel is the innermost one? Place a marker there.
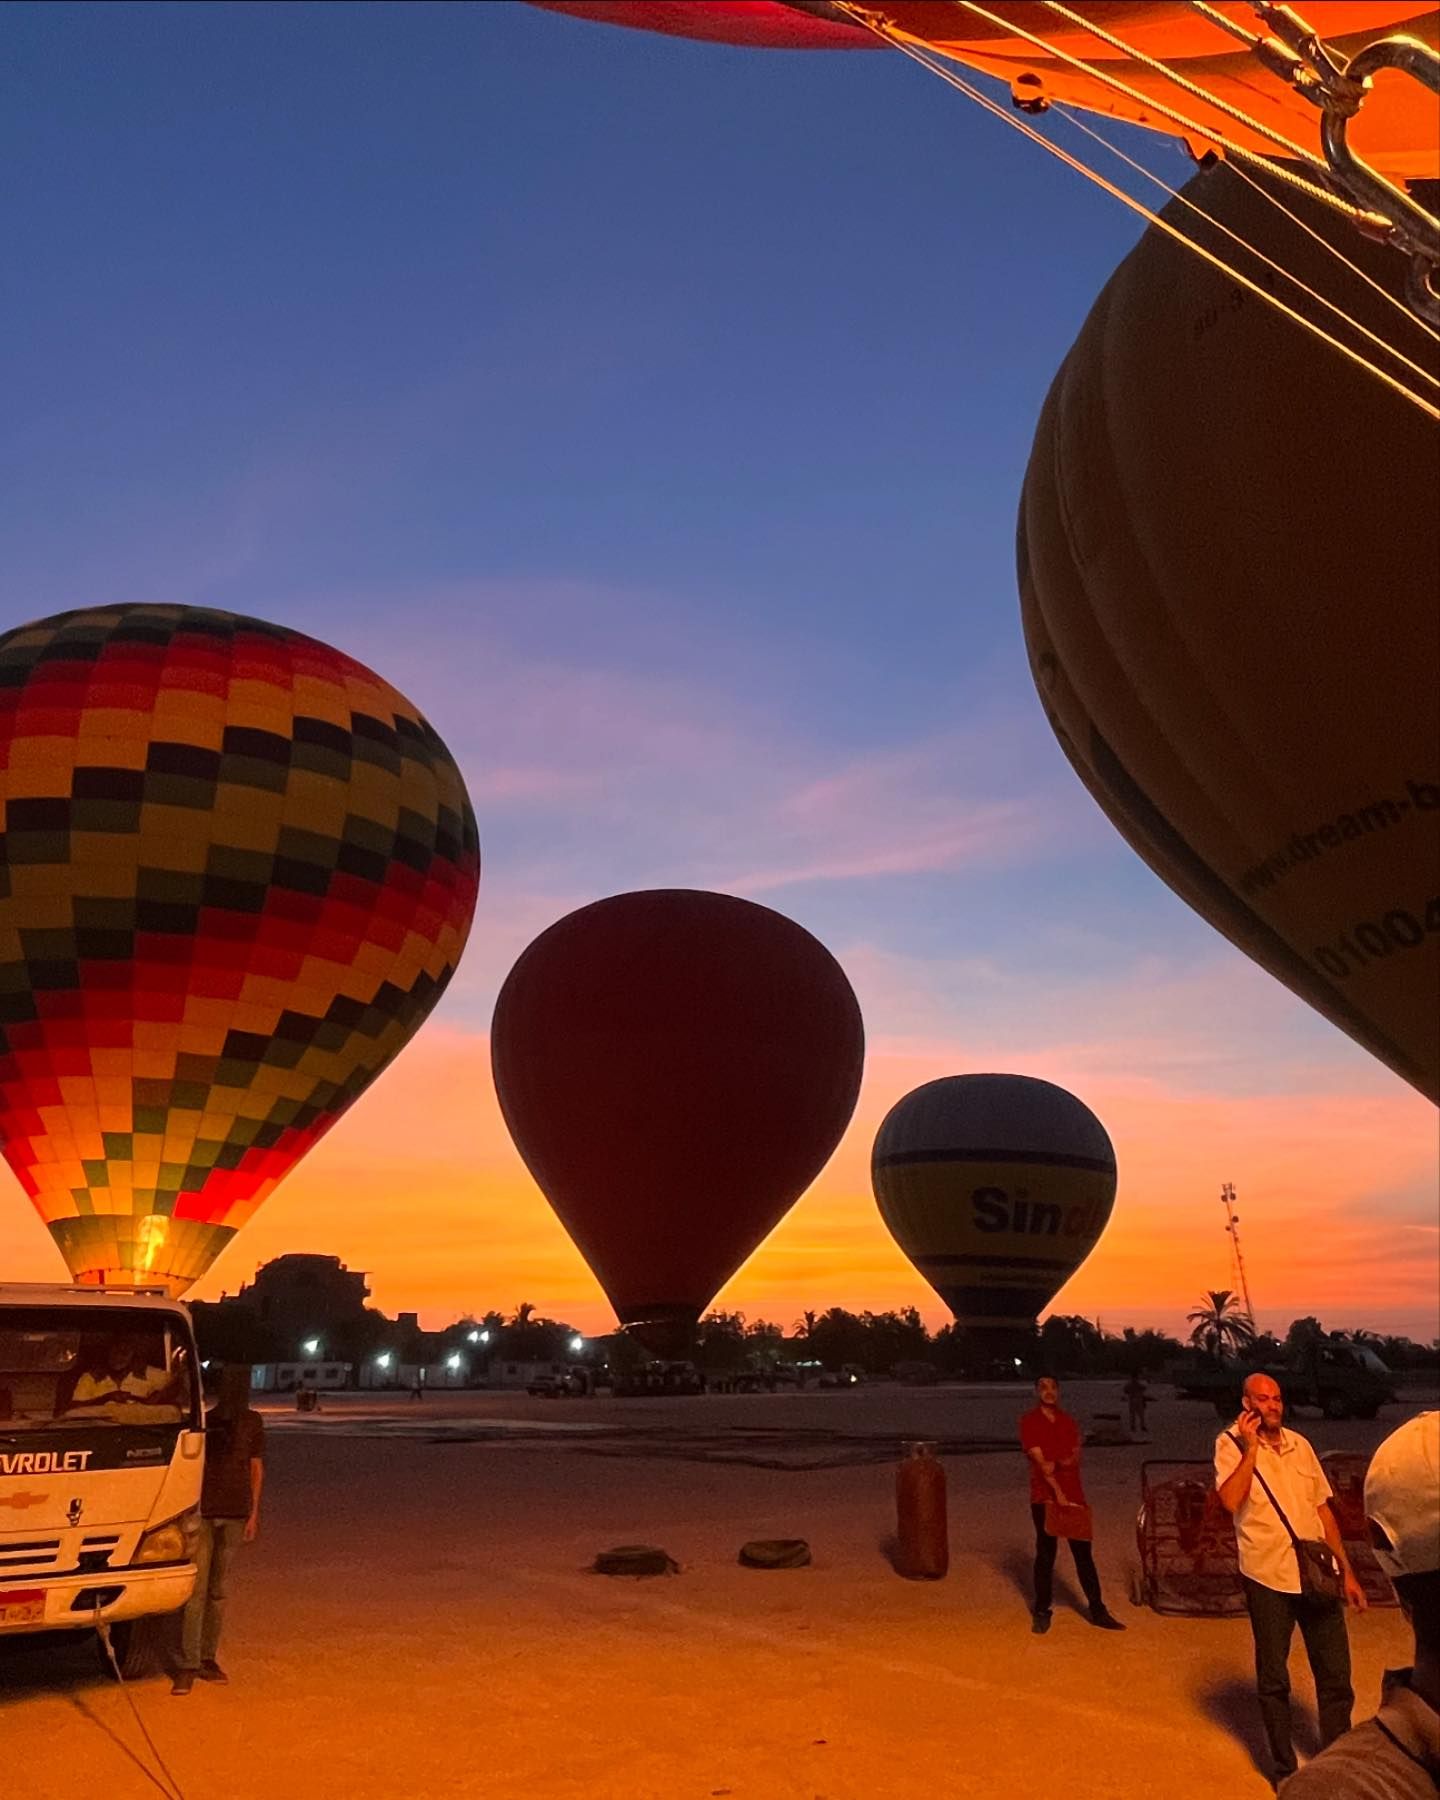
(1157, 67)
(1324, 189)
(928, 61)
(1248, 38)
(1270, 262)
(1320, 190)
(1339, 255)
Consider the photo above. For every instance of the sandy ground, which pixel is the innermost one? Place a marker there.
(416, 1619)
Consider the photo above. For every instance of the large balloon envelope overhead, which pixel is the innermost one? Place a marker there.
(1396, 134)
(997, 1188)
(1229, 552)
(675, 1067)
(236, 872)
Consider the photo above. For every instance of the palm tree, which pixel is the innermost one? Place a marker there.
(1220, 1323)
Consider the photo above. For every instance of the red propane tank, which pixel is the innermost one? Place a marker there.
(923, 1553)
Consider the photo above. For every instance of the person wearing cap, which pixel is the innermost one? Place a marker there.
(1259, 1462)
(1396, 1755)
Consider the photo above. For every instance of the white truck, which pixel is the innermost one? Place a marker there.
(102, 1451)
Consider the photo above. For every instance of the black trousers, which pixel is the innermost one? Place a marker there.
(1273, 1618)
(1045, 1548)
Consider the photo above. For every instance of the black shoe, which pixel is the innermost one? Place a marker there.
(1103, 1620)
(183, 1682)
(1040, 1623)
(210, 1670)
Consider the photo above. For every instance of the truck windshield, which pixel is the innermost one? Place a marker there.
(62, 1366)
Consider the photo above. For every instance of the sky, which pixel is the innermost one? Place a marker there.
(653, 415)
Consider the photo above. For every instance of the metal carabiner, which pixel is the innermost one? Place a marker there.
(1413, 228)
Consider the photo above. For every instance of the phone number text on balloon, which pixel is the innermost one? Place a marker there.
(1371, 940)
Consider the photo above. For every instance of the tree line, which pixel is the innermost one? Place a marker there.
(875, 1343)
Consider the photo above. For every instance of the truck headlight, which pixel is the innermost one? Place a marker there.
(172, 1542)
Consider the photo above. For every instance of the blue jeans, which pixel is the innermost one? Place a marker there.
(205, 1610)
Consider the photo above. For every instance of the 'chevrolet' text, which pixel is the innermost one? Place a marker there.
(44, 1462)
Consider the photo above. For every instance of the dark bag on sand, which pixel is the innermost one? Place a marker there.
(635, 1559)
(1077, 1522)
(1321, 1575)
(775, 1553)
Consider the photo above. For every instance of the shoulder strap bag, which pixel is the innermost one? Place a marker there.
(1321, 1575)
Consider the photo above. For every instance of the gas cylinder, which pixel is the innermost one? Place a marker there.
(923, 1552)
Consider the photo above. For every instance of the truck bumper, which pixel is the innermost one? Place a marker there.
(65, 1602)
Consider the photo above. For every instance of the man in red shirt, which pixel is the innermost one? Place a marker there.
(1050, 1439)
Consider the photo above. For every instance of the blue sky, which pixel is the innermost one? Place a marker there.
(654, 415)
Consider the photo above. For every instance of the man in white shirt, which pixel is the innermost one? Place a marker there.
(1259, 1444)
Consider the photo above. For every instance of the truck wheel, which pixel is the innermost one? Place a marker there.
(142, 1646)
(1336, 1406)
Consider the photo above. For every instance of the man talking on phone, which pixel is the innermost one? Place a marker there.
(1271, 1483)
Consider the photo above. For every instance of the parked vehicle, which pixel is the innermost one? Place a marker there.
(1344, 1380)
(653, 1378)
(102, 1449)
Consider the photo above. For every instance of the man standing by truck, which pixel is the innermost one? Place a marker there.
(1257, 1464)
(230, 1516)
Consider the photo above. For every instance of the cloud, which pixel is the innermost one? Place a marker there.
(590, 778)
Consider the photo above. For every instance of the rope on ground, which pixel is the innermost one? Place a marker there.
(174, 1791)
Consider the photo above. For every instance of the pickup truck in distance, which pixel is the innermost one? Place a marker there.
(1345, 1381)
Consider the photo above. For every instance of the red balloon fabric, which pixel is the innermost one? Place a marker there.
(676, 1068)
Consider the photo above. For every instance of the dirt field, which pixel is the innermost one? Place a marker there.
(416, 1619)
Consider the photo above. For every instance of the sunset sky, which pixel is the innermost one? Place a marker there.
(654, 416)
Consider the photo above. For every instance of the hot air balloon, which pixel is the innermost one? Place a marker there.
(675, 1068)
(237, 870)
(1397, 137)
(1229, 556)
(997, 1187)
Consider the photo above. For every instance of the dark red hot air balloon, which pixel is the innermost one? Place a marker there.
(675, 1067)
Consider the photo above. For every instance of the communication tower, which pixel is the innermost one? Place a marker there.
(1237, 1259)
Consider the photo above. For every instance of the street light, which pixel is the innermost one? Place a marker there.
(453, 1362)
(473, 1336)
(383, 1359)
(484, 1337)
(311, 1346)
(577, 1344)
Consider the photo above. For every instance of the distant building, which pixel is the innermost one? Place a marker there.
(298, 1308)
(301, 1297)
(451, 1372)
(283, 1378)
(506, 1374)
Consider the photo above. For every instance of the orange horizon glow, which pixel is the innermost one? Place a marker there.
(420, 1186)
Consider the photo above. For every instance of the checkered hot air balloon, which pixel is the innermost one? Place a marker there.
(237, 870)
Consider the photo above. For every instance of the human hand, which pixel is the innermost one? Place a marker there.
(1354, 1593)
(252, 1528)
(1248, 1426)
